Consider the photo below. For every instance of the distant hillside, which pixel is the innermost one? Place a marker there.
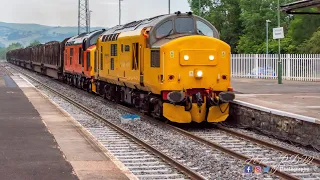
(27, 33)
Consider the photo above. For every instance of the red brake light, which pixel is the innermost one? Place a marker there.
(165, 95)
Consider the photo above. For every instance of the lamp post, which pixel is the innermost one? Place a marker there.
(169, 5)
(279, 60)
(267, 32)
(90, 20)
(267, 41)
(199, 7)
(120, 12)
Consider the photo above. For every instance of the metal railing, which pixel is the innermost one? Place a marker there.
(297, 67)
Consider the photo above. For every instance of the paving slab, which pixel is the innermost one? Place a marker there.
(39, 140)
(296, 97)
(28, 150)
(87, 158)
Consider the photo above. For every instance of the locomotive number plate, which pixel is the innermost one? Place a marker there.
(190, 73)
(171, 54)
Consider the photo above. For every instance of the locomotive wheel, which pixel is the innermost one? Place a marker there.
(104, 95)
(71, 81)
(98, 88)
(89, 87)
(81, 82)
(75, 83)
(157, 110)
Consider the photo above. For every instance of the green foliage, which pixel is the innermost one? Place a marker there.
(3, 52)
(12, 46)
(312, 45)
(242, 24)
(224, 15)
(35, 42)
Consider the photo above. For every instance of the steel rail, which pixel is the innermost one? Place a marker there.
(314, 160)
(183, 169)
(233, 153)
(212, 144)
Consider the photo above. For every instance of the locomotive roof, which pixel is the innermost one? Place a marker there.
(135, 24)
(79, 38)
(139, 24)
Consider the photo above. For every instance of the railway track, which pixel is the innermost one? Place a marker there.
(255, 151)
(282, 162)
(237, 145)
(143, 160)
(140, 162)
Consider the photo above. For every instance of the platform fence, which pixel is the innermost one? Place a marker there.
(296, 67)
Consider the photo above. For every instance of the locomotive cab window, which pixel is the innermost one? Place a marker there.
(93, 40)
(204, 29)
(184, 25)
(165, 29)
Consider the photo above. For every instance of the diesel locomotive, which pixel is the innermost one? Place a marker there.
(173, 66)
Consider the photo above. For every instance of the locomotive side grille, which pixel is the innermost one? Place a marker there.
(113, 49)
(112, 64)
(88, 61)
(155, 58)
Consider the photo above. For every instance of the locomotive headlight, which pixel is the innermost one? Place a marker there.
(199, 74)
(186, 57)
(211, 57)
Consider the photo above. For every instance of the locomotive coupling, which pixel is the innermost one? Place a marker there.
(199, 99)
(226, 96)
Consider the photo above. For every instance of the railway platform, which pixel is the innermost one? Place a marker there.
(297, 97)
(288, 111)
(40, 141)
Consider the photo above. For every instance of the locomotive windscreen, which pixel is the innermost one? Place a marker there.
(204, 29)
(184, 25)
(93, 40)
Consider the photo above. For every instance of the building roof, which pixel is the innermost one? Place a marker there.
(300, 5)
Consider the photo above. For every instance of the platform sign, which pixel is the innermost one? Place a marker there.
(278, 33)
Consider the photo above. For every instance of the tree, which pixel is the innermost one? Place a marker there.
(242, 24)
(3, 52)
(224, 15)
(301, 29)
(35, 42)
(312, 45)
(254, 14)
(14, 46)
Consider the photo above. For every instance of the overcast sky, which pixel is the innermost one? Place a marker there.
(65, 12)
